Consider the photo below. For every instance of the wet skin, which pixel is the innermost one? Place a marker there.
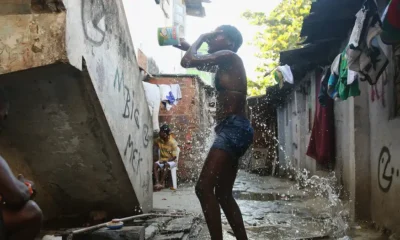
(22, 217)
(215, 184)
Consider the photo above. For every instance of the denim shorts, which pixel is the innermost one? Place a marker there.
(234, 135)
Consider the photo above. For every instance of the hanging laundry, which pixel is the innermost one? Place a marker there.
(358, 28)
(334, 78)
(373, 60)
(279, 78)
(332, 82)
(351, 76)
(176, 92)
(322, 142)
(323, 96)
(391, 23)
(335, 65)
(286, 73)
(167, 98)
(344, 90)
(283, 74)
(363, 53)
(152, 93)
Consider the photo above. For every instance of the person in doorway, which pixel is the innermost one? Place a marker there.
(20, 216)
(234, 133)
(168, 150)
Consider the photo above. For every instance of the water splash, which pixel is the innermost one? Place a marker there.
(336, 223)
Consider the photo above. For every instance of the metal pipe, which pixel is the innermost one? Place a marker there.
(82, 230)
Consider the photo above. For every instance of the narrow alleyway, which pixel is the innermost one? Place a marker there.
(272, 208)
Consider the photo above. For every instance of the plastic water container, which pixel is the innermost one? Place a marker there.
(168, 36)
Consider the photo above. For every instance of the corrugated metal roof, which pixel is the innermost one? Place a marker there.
(330, 19)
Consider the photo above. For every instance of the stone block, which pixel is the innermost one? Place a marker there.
(126, 233)
(151, 231)
(180, 225)
(176, 236)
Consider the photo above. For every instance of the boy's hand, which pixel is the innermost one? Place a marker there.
(183, 45)
(29, 184)
(209, 35)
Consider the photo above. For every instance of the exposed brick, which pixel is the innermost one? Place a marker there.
(183, 118)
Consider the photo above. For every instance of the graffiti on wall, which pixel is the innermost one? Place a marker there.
(97, 18)
(100, 24)
(131, 112)
(386, 171)
(93, 21)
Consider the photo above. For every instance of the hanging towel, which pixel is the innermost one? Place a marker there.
(167, 98)
(152, 93)
(286, 73)
(322, 142)
(176, 92)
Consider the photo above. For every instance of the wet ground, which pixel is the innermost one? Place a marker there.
(272, 208)
(275, 208)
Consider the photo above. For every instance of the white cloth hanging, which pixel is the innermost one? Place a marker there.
(152, 93)
(165, 93)
(176, 91)
(286, 73)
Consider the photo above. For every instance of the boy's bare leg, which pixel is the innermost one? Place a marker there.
(219, 173)
(228, 204)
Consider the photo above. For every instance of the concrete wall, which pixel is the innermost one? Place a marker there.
(366, 138)
(31, 40)
(384, 142)
(294, 127)
(57, 135)
(98, 33)
(351, 135)
(367, 141)
(144, 17)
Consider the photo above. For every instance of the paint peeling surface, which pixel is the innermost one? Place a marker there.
(31, 40)
(97, 31)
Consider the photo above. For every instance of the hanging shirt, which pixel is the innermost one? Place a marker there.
(345, 91)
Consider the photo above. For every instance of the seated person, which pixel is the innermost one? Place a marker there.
(20, 217)
(168, 149)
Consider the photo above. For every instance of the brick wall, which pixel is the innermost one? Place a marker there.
(187, 122)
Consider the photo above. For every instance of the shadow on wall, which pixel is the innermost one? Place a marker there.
(57, 135)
